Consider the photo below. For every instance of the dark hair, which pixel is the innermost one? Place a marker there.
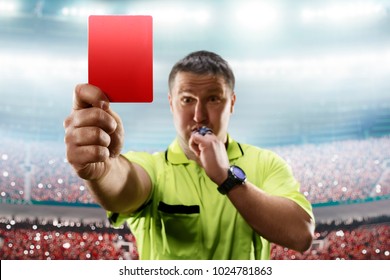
(203, 62)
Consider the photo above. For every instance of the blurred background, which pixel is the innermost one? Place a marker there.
(312, 85)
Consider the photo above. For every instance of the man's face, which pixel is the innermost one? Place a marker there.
(200, 100)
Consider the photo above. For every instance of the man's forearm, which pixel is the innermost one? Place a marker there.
(277, 219)
(122, 188)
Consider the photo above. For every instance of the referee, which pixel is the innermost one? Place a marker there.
(207, 196)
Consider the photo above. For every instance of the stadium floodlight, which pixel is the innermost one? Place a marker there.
(333, 66)
(258, 15)
(8, 7)
(81, 12)
(349, 12)
(174, 15)
(202, 16)
(65, 11)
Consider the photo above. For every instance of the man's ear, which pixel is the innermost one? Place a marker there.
(233, 101)
(170, 101)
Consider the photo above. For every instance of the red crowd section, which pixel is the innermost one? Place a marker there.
(363, 243)
(30, 240)
(33, 241)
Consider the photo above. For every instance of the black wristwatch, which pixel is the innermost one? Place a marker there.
(236, 176)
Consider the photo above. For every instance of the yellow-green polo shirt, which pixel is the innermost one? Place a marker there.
(187, 218)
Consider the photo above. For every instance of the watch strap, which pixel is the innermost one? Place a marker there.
(230, 182)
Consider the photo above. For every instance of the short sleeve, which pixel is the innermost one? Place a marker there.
(280, 181)
(147, 162)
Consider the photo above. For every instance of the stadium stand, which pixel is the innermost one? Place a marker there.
(29, 239)
(38, 173)
(338, 171)
(357, 241)
(63, 240)
(11, 170)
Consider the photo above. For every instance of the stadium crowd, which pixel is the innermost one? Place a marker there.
(57, 240)
(53, 240)
(12, 177)
(345, 242)
(54, 179)
(338, 171)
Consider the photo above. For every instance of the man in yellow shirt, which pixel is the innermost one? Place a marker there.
(207, 196)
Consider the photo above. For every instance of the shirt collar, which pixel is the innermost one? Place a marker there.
(175, 154)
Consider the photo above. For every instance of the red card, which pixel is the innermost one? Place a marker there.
(120, 57)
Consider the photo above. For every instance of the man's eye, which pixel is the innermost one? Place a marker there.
(214, 99)
(186, 99)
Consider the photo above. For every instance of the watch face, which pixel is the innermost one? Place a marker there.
(239, 173)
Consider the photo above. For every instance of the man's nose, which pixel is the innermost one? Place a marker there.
(200, 114)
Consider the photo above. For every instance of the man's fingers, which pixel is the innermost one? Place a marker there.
(194, 145)
(198, 142)
(116, 137)
(93, 132)
(197, 138)
(86, 95)
(84, 136)
(80, 156)
(93, 117)
(89, 162)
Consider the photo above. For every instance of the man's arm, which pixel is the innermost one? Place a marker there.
(94, 138)
(277, 219)
(123, 189)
